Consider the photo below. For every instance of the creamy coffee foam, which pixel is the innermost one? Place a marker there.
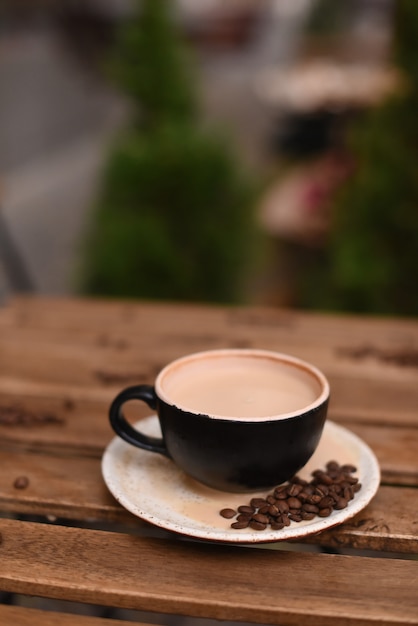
(239, 386)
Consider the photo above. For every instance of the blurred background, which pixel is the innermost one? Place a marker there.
(253, 151)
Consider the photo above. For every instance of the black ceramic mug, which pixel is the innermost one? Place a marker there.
(235, 420)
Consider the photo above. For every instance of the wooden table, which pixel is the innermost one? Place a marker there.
(63, 536)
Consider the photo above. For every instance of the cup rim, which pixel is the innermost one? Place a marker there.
(251, 352)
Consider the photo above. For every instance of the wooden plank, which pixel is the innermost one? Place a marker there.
(203, 580)
(373, 401)
(83, 313)
(119, 325)
(69, 487)
(63, 418)
(352, 337)
(388, 524)
(396, 450)
(102, 346)
(73, 488)
(371, 343)
(366, 392)
(77, 360)
(355, 395)
(22, 616)
(78, 424)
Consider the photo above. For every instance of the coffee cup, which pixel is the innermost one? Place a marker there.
(237, 420)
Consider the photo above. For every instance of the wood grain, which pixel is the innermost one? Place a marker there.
(63, 360)
(236, 584)
(80, 427)
(22, 616)
(96, 347)
(73, 488)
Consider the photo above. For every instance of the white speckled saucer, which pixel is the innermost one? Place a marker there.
(152, 487)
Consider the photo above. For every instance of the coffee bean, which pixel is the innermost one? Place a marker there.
(257, 502)
(21, 482)
(228, 513)
(244, 508)
(305, 515)
(280, 489)
(330, 489)
(303, 496)
(335, 488)
(258, 525)
(326, 502)
(259, 517)
(315, 498)
(325, 512)
(280, 495)
(340, 504)
(294, 489)
(294, 503)
(294, 511)
(239, 525)
(277, 525)
(322, 477)
(310, 508)
(264, 509)
(273, 510)
(298, 480)
(348, 468)
(351, 480)
(348, 493)
(283, 506)
(332, 466)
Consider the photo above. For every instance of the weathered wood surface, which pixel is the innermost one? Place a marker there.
(83, 430)
(104, 345)
(73, 488)
(22, 616)
(61, 363)
(233, 583)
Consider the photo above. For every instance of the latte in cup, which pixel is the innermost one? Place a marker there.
(235, 420)
(231, 386)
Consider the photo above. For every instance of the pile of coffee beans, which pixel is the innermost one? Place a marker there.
(330, 489)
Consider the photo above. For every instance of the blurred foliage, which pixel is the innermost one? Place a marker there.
(176, 214)
(327, 17)
(370, 262)
(153, 67)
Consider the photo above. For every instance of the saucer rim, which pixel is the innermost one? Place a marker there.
(370, 485)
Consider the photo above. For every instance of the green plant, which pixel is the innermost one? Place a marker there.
(370, 262)
(152, 66)
(174, 218)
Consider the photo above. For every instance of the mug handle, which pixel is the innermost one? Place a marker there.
(121, 426)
